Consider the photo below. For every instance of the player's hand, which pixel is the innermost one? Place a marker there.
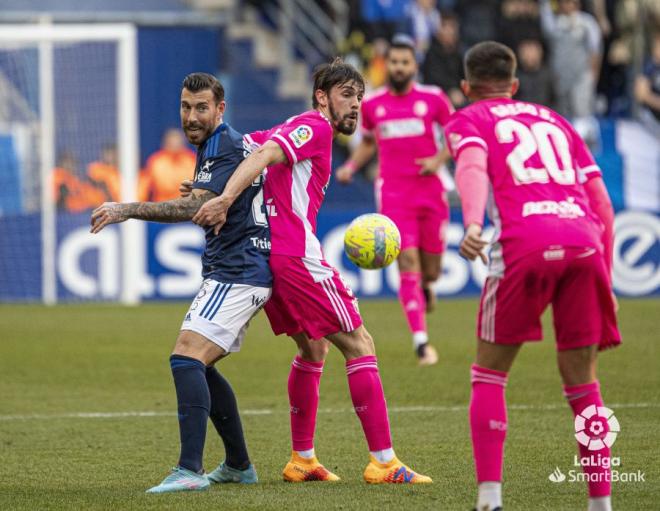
(185, 188)
(472, 245)
(616, 302)
(213, 212)
(344, 174)
(429, 165)
(106, 214)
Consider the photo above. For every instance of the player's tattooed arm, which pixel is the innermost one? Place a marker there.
(181, 209)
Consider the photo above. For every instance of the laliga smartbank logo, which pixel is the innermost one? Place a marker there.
(596, 428)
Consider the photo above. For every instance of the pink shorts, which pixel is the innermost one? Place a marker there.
(420, 210)
(573, 280)
(310, 296)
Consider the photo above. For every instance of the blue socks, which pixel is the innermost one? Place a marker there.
(194, 404)
(226, 419)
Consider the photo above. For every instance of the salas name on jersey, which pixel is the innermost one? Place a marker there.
(239, 253)
(537, 165)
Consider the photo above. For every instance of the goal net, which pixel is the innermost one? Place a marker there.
(68, 141)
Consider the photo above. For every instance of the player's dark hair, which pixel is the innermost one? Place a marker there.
(489, 62)
(337, 72)
(197, 82)
(401, 42)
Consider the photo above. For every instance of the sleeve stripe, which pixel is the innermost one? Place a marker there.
(288, 148)
(589, 169)
(468, 140)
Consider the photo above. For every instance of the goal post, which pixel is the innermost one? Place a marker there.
(20, 43)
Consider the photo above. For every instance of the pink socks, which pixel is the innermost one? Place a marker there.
(488, 422)
(581, 397)
(412, 300)
(369, 401)
(304, 381)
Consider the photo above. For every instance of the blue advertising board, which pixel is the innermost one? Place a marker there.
(89, 267)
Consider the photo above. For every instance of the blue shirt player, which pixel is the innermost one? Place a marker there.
(237, 283)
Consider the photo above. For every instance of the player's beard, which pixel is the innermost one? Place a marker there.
(399, 83)
(199, 136)
(344, 124)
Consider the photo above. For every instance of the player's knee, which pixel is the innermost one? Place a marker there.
(408, 261)
(314, 350)
(364, 343)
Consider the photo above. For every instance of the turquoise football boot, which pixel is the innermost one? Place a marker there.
(225, 474)
(181, 479)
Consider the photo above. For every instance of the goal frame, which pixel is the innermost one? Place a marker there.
(44, 36)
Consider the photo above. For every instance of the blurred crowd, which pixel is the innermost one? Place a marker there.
(580, 57)
(78, 189)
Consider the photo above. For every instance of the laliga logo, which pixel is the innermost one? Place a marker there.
(596, 427)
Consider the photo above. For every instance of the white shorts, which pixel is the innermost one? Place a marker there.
(222, 311)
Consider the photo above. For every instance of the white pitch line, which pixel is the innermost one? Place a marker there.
(268, 411)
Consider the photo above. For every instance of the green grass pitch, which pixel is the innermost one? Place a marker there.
(57, 364)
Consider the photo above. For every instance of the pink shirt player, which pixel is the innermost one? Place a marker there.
(406, 127)
(537, 168)
(295, 189)
(537, 165)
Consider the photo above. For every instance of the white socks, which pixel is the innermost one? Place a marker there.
(420, 338)
(384, 456)
(308, 454)
(600, 503)
(490, 496)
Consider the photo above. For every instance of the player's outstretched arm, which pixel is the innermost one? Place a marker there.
(214, 212)
(181, 209)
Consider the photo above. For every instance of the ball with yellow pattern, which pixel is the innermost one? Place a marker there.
(372, 241)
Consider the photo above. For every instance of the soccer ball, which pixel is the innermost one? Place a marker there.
(372, 241)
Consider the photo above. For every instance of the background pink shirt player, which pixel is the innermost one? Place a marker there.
(552, 245)
(402, 121)
(310, 301)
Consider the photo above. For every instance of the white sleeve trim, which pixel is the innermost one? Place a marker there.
(288, 147)
(467, 140)
(591, 169)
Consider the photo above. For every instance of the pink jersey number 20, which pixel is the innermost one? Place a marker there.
(543, 138)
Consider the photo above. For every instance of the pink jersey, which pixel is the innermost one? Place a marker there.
(405, 127)
(294, 191)
(537, 165)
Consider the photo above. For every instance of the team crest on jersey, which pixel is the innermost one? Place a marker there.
(420, 108)
(301, 135)
(380, 111)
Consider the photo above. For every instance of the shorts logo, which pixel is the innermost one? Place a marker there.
(596, 427)
(301, 135)
(258, 301)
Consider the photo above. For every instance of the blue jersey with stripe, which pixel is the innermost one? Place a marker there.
(239, 254)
